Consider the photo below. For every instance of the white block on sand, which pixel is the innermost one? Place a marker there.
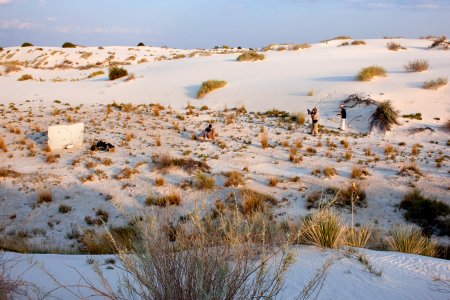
(62, 136)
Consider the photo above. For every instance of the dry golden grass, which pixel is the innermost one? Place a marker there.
(158, 141)
(330, 172)
(159, 181)
(366, 74)
(358, 237)
(235, 178)
(44, 196)
(253, 201)
(395, 46)
(418, 65)
(126, 173)
(359, 172)
(264, 140)
(204, 181)
(250, 56)
(3, 145)
(209, 86)
(273, 181)
(52, 158)
(129, 136)
(173, 197)
(435, 84)
(408, 239)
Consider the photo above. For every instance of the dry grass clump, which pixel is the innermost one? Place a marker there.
(418, 65)
(173, 197)
(408, 239)
(301, 118)
(253, 201)
(165, 161)
(435, 84)
(264, 140)
(395, 46)
(96, 73)
(359, 172)
(250, 56)
(25, 77)
(323, 229)
(358, 43)
(3, 146)
(4, 172)
(366, 74)
(44, 196)
(273, 181)
(358, 237)
(235, 178)
(159, 181)
(53, 158)
(384, 116)
(330, 172)
(390, 149)
(107, 161)
(209, 86)
(410, 169)
(204, 181)
(116, 73)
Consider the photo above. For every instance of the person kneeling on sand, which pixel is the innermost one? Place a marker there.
(314, 113)
(208, 133)
(343, 115)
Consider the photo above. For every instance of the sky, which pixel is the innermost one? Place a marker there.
(208, 23)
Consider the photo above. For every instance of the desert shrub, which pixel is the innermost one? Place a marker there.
(430, 214)
(27, 44)
(366, 74)
(173, 197)
(235, 178)
(25, 77)
(395, 46)
(440, 43)
(44, 196)
(264, 140)
(11, 288)
(96, 73)
(141, 44)
(418, 65)
(159, 181)
(205, 181)
(435, 84)
(250, 56)
(408, 239)
(117, 72)
(203, 258)
(273, 181)
(3, 145)
(384, 116)
(68, 45)
(4, 172)
(323, 229)
(354, 193)
(410, 169)
(209, 86)
(165, 161)
(358, 43)
(254, 201)
(296, 47)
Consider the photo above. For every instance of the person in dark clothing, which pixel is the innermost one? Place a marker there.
(208, 133)
(343, 115)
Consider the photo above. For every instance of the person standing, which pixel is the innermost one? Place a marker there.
(314, 113)
(343, 115)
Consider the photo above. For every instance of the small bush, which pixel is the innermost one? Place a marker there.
(330, 172)
(366, 74)
(418, 65)
(358, 43)
(264, 140)
(27, 44)
(159, 181)
(395, 46)
(384, 116)
(359, 172)
(235, 178)
(171, 198)
(3, 146)
(44, 196)
(250, 56)
(416, 116)
(205, 181)
(141, 44)
(301, 118)
(165, 161)
(435, 84)
(209, 86)
(96, 73)
(64, 209)
(430, 214)
(273, 181)
(323, 229)
(253, 201)
(25, 77)
(68, 45)
(408, 239)
(116, 73)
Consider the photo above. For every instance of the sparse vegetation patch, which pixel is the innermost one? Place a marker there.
(209, 86)
(366, 74)
(250, 56)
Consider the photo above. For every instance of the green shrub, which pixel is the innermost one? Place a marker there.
(141, 44)
(68, 45)
(366, 74)
(250, 56)
(418, 65)
(209, 86)
(435, 84)
(430, 214)
(26, 44)
(25, 77)
(384, 116)
(116, 73)
(408, 239)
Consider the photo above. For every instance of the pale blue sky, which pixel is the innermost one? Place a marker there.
(207, 23)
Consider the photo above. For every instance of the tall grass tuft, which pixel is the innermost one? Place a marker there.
(209, 86)
(384, 116)
(408, 239)
(418, 65)
(366, 74)
(323, 229)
